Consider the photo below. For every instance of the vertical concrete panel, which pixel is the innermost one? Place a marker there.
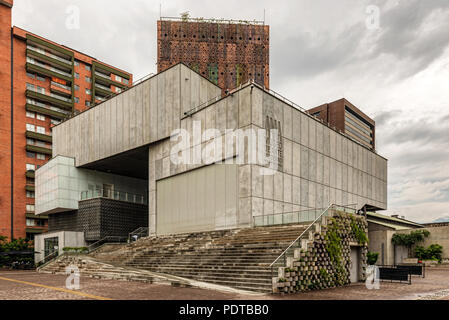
(278, 189)
(312, 133)
(232, 110)
(319, 196)
(350, 180)
(244, 181)
(332, 196)
(333, 173)
(304, 193)
(326, 197)
(296, 190)
(288, 156)
(339, 197)
(221, 115)
(268, 184)
(287, 188)
(296, 150)
(161, 111)
(169, 100)
(126, 121)
(304, 130)
(195, 90)
(153, 109)
(319, 137)
(132, 110)
(140, 115)
(96, 133)
(244, 107)
(257, 107)
(312, 165)
(257, 182)
(304, 162)
(333, 144)
(360, 157)
(296, 130)
(350, 151)
(338, 147)
(268, 106)
(326, 140)
(288, 122)
(268, 207)
(220, 201)
(320, 168)
(113, 112)
(312, 195)
(344, 177)
(339, 175)
(326, 171)
(278, 109)
(344, 146)
(186, 88)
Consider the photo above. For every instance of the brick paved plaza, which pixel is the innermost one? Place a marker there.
(27, 285)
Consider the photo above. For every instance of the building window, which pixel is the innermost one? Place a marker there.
(77, 100)
(30, 167)
(76, 63)
(40, 78)
(88, 91)
(77, 88)
(88, 79)
(31, 155)
(30, 194)
(125, 81)
(40, 130)
(41, 144)
(54, 122)
(41, 90)
(31, 127)
(31, 75)
(30, 207)
(40, 156)
(118, 90)
(87, 67)
(31, 114)
(77, 75)
(30, 222)
(30, 86)
(88, 104)
(118, 78)
(40, 117)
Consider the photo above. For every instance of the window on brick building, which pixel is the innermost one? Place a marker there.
(31, 127)
(40, 117)
(31, 75)
(77, 88)
(88, 91)
(40, 78)
(118, 78)
(31, 155)
(77, 75)
(87, 103)
(40, 156)
(30, 167)
(30, 207)
(31, 114)
(88, 79)
(77, 100)
(30, 194)
(87, 67)
(40, 130)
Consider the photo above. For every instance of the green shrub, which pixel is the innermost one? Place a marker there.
(433, 252)
(371, 258)
(76, 250)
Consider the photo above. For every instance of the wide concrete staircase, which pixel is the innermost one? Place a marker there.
(237, 259)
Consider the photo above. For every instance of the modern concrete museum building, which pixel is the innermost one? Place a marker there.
(111, 164)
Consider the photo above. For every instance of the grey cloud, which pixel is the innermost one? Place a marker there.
(385, 117)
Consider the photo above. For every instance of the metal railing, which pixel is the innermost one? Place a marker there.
(138, 233)
(281, 260)
(211, 20)
(61, 86)
(45, 106)
(113, 195)
(108, 239)
(48, 258)
(32, 61)
(46, 53)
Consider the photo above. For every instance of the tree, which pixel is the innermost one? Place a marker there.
(409, 240)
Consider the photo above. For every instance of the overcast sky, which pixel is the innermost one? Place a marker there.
(321, 51)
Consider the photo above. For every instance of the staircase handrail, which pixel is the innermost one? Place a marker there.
(307, 229)
(139, 231)
(94, 246)
(43, 261)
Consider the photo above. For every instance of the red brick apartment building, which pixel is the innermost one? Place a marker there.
(227, 52)
(42, 83)
(349, 119)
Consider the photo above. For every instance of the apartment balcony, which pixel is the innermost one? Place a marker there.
(37, 149)
(114, 195)
(30, 187)
(103, 90)
(62, 102)
(60, 88)
(30, 174)
(49, 58)
(47, 110)
(40, 68)
(106, 80)
(39, 136)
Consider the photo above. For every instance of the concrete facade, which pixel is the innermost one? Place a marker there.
(65, 239)
(318, 166)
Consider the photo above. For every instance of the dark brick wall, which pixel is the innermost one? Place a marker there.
(99, 218)
(226, 54)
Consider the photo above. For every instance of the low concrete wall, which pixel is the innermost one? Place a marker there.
(382, 239)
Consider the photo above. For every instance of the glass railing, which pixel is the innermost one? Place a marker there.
(114, 195)
(32, 61)
(297, 217)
